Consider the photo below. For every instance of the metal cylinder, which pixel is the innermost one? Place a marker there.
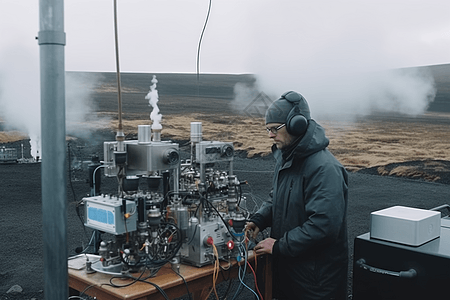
(238, 223)
(154, 183)
(156, 135)
(130, 183)
(182, 220)
(196, 132)
(144, 134)
(231, 186)
(154, 217)
(193, 221)
(141, 209)
(103, 252)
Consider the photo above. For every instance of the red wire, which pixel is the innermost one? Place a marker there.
(256, 284)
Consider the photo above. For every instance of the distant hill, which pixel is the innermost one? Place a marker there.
(212, 89)
(441, 74)
(186, 93)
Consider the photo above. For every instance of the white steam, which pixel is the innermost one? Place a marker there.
(345, 58)
(152, 98)
(403, 91)
(20, 93)
(20, 97)
(81, 119)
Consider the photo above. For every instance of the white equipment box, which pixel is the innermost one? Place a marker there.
(405, 225)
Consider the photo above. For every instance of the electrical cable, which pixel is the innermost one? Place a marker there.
(216, 269)
(199, 45)
(224, 222)
(193, 235)
(256, 282)
(185, 283)
(163, 293)
(215, 272)
(89, 243)
(120, 175)
(91, 286)
(241, 273)
(229, 279)
(93, 177)
(253, 197)
(240, 194)
(139, 279)
(77, 208)
(226, 269)
(155, 260)
(246, 286)
(238, 290)
(247, 239)
(111, 284)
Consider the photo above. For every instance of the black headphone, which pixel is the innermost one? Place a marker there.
(296, 123)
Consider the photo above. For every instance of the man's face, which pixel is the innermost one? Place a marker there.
(281, 138)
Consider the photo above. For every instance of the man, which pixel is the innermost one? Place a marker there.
(308, 207)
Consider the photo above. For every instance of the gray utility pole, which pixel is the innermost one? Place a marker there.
(52, 39)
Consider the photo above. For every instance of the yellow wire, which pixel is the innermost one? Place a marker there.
(246, 245)
(216, 270)
(215, 273)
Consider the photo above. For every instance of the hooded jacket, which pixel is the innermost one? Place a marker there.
(307, 215)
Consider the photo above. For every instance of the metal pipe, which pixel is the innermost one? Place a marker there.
(120, 137)
(52, 39)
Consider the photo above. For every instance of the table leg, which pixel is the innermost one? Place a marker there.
(264, 275)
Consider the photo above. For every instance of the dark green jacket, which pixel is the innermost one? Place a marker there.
(307, 215)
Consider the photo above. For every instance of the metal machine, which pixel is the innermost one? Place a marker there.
(191, 211)
(8, 155)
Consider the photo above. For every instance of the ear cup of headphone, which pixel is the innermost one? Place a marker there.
(296, 124)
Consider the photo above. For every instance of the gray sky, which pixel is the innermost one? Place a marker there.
(242, 36)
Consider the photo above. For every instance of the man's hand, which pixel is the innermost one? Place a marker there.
(254, 230)
(265, 246)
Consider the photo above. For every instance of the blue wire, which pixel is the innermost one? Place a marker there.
(242, 248)
(246, 261)
(242, 282)
(239, 274)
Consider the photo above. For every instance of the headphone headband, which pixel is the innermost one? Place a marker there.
(292, 97)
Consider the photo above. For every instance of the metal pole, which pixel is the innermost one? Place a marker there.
(120, 137)
(52, 40)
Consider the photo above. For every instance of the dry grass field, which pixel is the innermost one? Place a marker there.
(369, 142)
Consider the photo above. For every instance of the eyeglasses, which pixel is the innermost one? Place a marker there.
(274, 130)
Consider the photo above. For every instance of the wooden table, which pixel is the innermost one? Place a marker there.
(199, 280)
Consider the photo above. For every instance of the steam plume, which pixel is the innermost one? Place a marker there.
(81, 119)
(152, 98)
(343, 63)
(20, 97)
(20, 93)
